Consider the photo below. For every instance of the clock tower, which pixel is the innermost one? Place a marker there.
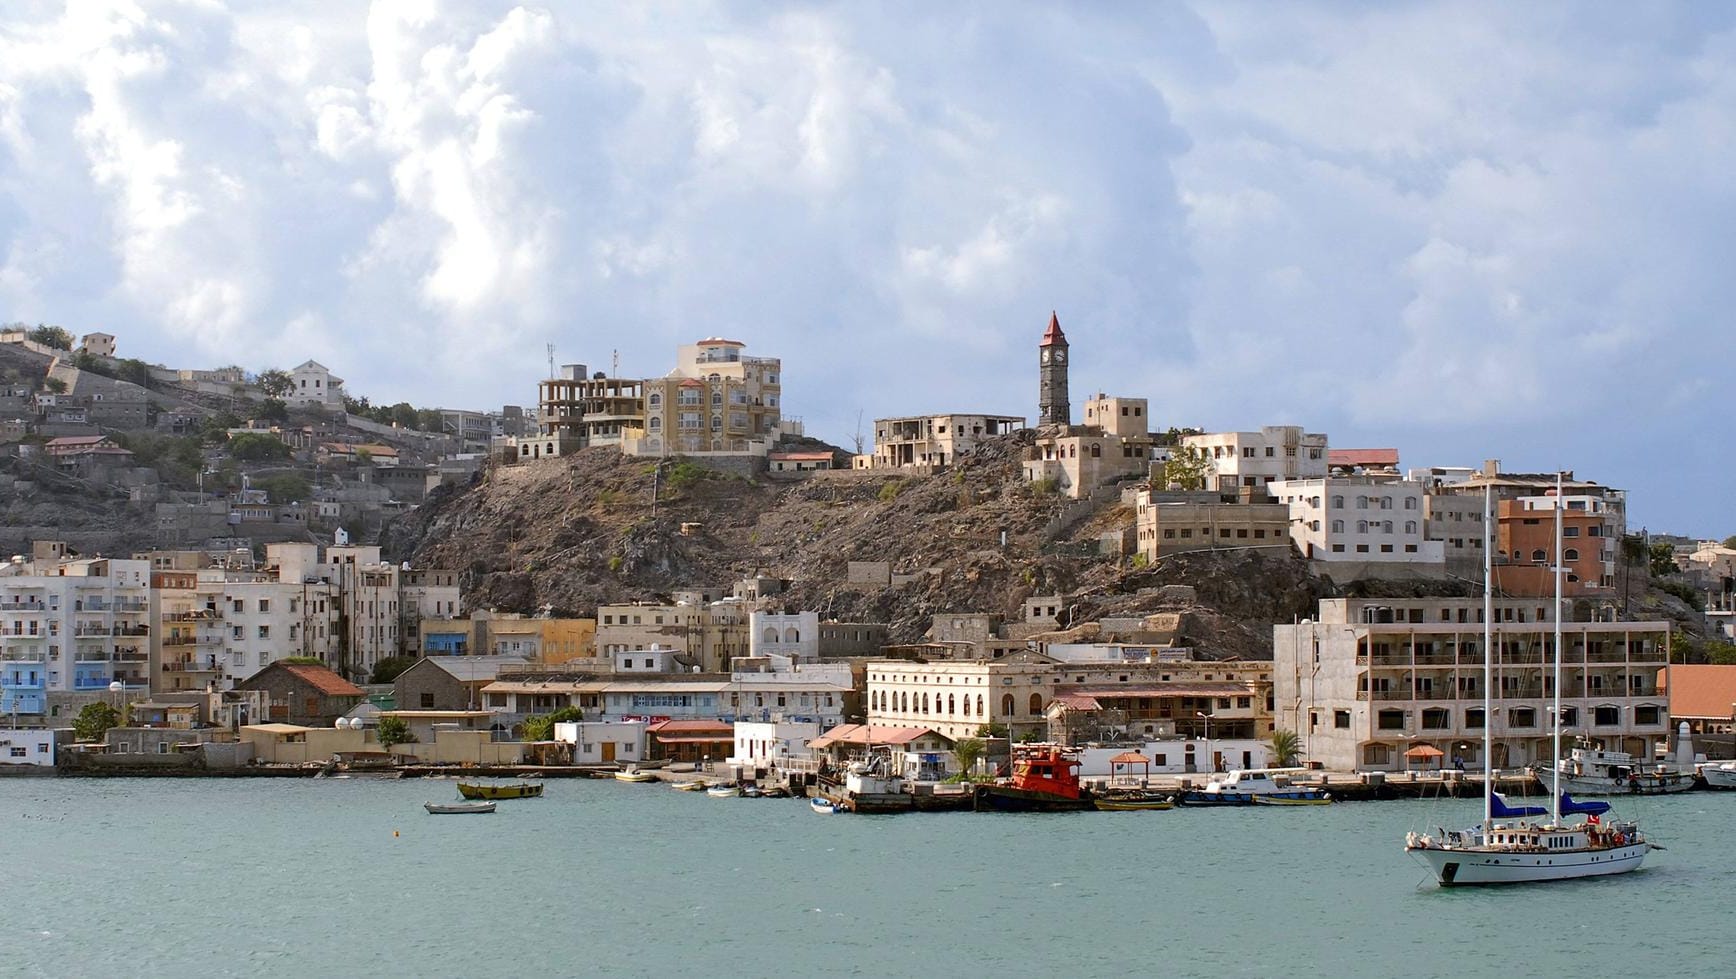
(1052, 407)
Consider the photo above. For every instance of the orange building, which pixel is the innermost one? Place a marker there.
(1525, 546)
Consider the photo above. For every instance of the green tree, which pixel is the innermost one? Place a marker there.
(541, 727)
(1188, 467)
(363, 457)
(134, 371)
(252, 447)
(393, 730)
(404, 415)
(995, 730)
(1286, 747)
(968, 751)
(429, 420)
(94, 721)
(55, 385)
(288, 488)
(1662, 560)
(1730, 542)
(51, 336)
(388, 669)
(276, 383)
(273, 410)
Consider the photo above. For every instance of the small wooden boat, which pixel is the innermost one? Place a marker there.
(694, 786)
(825, 806)
(634, 774)
(518, 790)
(1132, 800)
(1323, 799)
(723, 792)
(457, 808)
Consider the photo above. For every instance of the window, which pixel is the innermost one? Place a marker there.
(1341, 720)
(427, 701)
(1646, 714)
(1571, 554)
(1036, 704)
(1606, 715)
(1522, 717)
(1539, 555)
(1377, 754)
(1474, 719)
(1435, 719)
(265, 632)
(1390, 720)
(1007, 705)
(264, 605)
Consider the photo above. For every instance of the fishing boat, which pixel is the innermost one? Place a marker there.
(1256, 787)
(1131, 800)
(517, 790)
(723, 792)
(1590, 769)
(634, 773)
(1527, 844)
(1719, 776)
(1045, 779)
(826, 806)
(694, 786)
(457, 808)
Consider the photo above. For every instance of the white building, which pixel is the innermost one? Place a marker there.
(1358, 519)
(28, 747)
(71, 626)
(1274, 453)
(769, 744)
(602, 742)
(792, 634)
(312, 385)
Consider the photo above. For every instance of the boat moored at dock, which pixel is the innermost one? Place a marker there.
(1594, 770)
(1255, 786)
(482, 790)
(1045, 779)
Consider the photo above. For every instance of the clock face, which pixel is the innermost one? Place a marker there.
(1045, 355)
(1060, 356)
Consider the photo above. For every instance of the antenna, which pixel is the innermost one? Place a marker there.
(614, 363)
(551, 348)
(858, 435)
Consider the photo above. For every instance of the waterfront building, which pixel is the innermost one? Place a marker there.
(303, 694)
(30, 747)
(773, 744)
(70, 625)
(1702, 695)
(913, 748)
(451, 682)
(713, 633)
(603, 742)
(956, 698)
(187, 639)
(1370, 680)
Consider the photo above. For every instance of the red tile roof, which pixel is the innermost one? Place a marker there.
(324, 680)
(864, 734)
(1053, 334)
(692, 727)
(1700, 690)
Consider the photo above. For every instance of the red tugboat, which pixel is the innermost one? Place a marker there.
(1045, 779)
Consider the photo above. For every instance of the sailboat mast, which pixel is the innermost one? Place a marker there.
(1555, 789)
(1488, 669)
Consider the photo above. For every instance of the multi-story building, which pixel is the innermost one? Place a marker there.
(1171, 522)
(312, 385)
(792, 634)
(188, 640)
(712, 633)
(71, 626)
(715, 400)
(1359, 519)
(1527, 549)
(1272, 454)
(1371, 679)
(425, 594)
(1111, 444)
(932, 442)
(1456, 521)
(1612, 503)
(576, 410)
(958, 697)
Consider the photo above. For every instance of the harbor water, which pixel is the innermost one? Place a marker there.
(348, 876)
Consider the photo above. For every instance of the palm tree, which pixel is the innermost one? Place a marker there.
(968, 751)
(1286, 748)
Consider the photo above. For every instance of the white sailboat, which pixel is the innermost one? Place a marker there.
(1512, 846)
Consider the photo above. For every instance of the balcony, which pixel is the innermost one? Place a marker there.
(91, 682)
(191, 666)
(17, 606)
(176, 640)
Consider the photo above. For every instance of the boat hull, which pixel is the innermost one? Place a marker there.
(523, 791)
(458, 808)
(1283, 800)
(1128, 805)
(1647, 784)
(1005, 798)
(1462, 867)
(1300, 797)
(1719, 777)
(825, 807)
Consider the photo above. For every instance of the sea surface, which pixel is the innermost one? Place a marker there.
(349, 877)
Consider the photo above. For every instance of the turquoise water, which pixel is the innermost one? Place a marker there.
(305, 877)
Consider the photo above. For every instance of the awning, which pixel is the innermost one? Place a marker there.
(1130, 758)
(694, 739)
(1424, 751)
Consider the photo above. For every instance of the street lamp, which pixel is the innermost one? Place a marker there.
(117, 688)
(1209, 756)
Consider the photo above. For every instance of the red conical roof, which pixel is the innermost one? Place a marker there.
(1053, 334)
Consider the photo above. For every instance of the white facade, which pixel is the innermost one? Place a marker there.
(767, 744)
(600, 742)
(1174, 756)
(265, 621)
(1274, 453)
(1358, 518)
(792, 634)
(1456, 521)
(27, 747)
(314, 385)
(72, 626)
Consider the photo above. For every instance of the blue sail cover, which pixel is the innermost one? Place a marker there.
(1499, 809)
(1571, 808)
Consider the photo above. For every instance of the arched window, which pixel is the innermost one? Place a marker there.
(1036, 704)
(1338, 526)
(1410, 526)
(904, 703)
(980, 711)
(1096, 451)
(1007, 705)
(1338, 503)
(656, 424)
(1386, 503)
(967, 705)
(717, 423)
(655, 400)
(925, 703)
(951, 706)
(1362, 526)
(1386, 526)
(792, 635)
(1540, 555)
(771, 634)
(1362, 503)
(717, 397)
(1571, 554)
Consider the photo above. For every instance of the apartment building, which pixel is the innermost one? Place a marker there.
(1362, 519)
(188, 639)
(1172, 522)
(717, 399)
(70, 625)
(1272, 454)
(711, 633)
(1525, 536)
(1369, 680)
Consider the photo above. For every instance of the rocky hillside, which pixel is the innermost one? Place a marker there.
(571, 533)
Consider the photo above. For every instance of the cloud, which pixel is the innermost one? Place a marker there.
(1469, 231)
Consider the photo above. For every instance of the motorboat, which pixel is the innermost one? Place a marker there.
(693, 786)
(634, 773)
(1131, 800)
(457, 808)
(1528, 844)
(723, 791)
(1719, 775)
(517, 790)
(1594, 770)
(1045, 779)
(826, 806)
(1255, 787)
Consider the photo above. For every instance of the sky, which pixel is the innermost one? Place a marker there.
(1464, 230)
